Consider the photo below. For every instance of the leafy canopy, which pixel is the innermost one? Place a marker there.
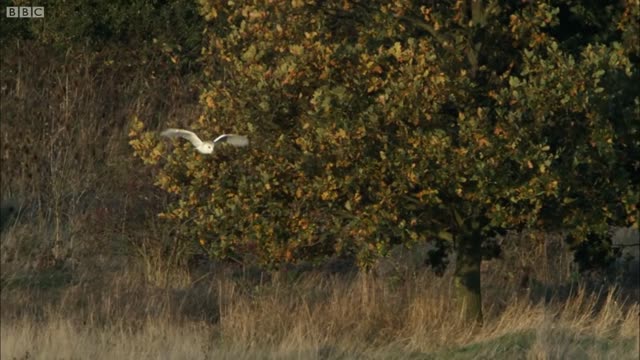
(374, 124)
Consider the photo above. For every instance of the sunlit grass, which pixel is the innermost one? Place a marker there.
(316, 316)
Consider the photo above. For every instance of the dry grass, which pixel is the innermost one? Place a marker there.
(86, 271)
(313, 316)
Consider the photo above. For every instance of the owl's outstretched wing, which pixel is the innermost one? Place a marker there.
(185, 134)
(233, 139)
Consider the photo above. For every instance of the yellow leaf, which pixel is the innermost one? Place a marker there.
(296, 50)
(412, 177)
(210, 103)
(213, 13)
(257, 15)
(357, 197)
(396, 50)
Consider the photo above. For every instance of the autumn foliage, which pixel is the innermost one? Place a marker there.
(374, 124)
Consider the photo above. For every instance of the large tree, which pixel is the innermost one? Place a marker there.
(375, 124)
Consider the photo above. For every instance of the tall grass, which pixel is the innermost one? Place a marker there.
(87, 271)
(315, 316)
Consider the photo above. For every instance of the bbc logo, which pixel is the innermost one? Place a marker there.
(25, 11)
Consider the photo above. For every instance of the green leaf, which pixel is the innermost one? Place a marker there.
(444, 235)
(458, 218)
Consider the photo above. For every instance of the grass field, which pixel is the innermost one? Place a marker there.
(88, 272)
(62, 314)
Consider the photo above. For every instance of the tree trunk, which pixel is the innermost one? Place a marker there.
(467, 277)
